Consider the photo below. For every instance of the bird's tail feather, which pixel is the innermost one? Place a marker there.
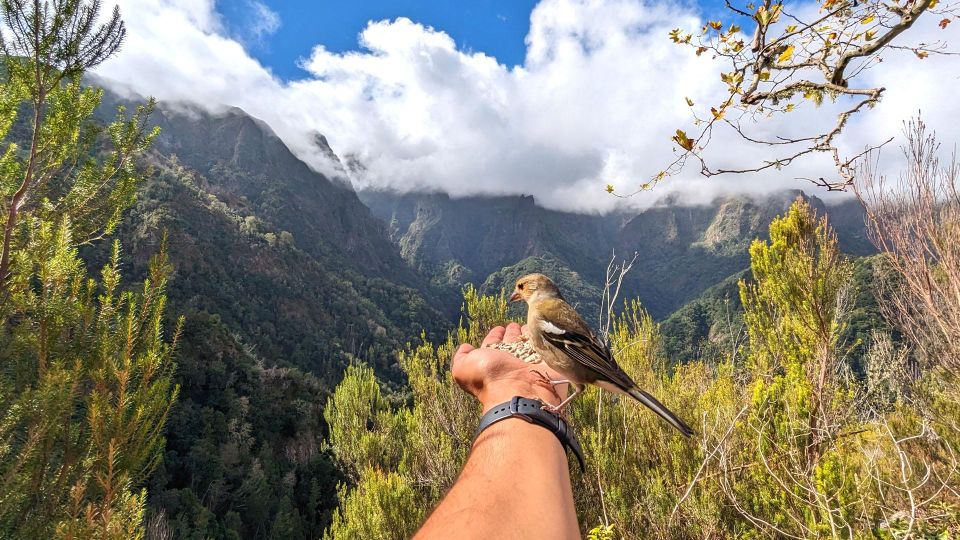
(661, 410)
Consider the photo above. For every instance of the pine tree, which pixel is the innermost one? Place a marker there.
(85, 367)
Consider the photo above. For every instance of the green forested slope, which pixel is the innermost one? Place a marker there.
(284, 278)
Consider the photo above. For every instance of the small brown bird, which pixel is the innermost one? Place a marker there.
(565, 342)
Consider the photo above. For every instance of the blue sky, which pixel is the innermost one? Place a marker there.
(495, 27)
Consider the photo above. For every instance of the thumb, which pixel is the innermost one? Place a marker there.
(462, 351)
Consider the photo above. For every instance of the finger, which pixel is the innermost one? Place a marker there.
(512, 333)
(495, 336)
(523, 329)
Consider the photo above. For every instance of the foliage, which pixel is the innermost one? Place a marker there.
(85, 365)
(914, 222)
(244, 455)
(379, 508)
(711, 328)
(779, 58)
(790, 444)
(708, 328)
(86, 388)
(45, 49)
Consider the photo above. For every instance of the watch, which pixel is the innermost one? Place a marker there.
(532, 411)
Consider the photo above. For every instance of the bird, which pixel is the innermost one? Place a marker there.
(565, 342)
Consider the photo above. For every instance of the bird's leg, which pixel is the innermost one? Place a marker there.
(558, 409)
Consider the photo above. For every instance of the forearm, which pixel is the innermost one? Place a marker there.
(515, 484)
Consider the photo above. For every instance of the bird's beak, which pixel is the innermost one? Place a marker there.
(515, 297)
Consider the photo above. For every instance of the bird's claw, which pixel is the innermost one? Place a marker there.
(559, 411)
(543, 376)
(548, 380)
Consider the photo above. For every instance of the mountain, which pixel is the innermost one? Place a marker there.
(681, 250)
(289, 260)
(285, 277)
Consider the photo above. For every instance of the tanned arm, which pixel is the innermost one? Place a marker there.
(516, 483)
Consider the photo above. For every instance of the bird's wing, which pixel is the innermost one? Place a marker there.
(562, 327)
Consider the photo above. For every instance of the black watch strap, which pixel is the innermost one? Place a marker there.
(532, 411)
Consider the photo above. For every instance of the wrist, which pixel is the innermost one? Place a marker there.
(498, 392)
(531, 411)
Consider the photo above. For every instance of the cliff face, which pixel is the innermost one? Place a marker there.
(483, 234)
(681, 250)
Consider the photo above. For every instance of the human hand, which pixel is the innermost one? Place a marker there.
(494, 376)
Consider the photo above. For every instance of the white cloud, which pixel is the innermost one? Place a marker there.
(595, 102)
(264, 21)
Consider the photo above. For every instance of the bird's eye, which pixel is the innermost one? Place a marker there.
(520, 286)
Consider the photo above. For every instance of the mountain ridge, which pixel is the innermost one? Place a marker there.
(457, 241)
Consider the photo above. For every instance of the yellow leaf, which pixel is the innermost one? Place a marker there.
(716, 25)
(645, 186)
(609, 188)
(689, 102)
(868, 19)
(732, 78)
(716, 114)
(683, 141)
(921, 54)
(764, 75)
(785, 55)
(933, 4)
(775, 13)
(762, 16)
(789, 107)
(869, 35)
(790, 29)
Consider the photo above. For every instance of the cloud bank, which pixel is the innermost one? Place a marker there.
(595, 102)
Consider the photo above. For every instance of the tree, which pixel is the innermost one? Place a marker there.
(915, 222)
(85, 366)
(85, 386)
(46, 48)
(780, 58)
